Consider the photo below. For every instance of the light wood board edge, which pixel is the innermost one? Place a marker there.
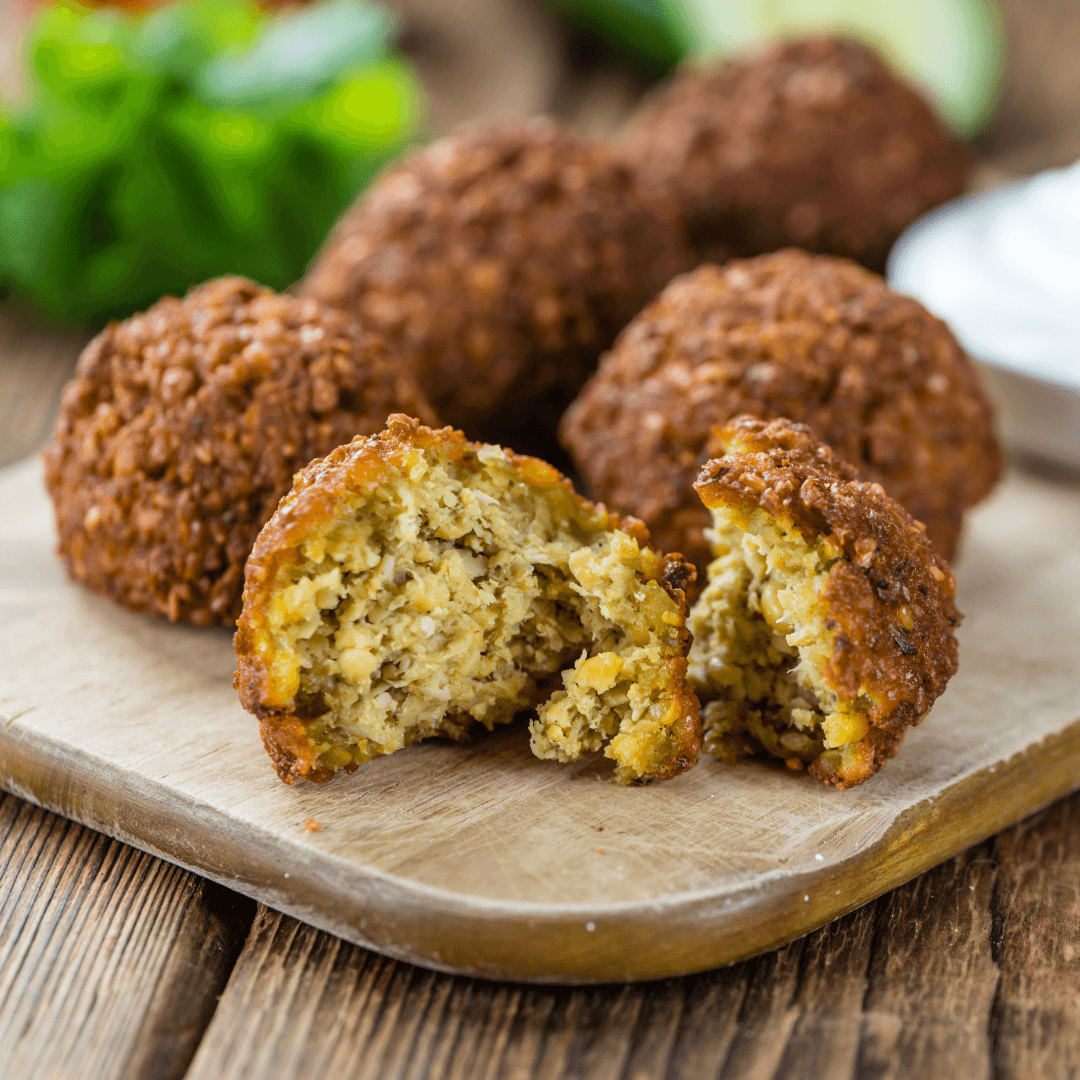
(530, 943)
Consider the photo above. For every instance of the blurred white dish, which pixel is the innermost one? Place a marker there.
(1003, 269)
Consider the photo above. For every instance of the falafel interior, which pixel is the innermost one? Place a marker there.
(806, 647)
(761, 645)
(414, 584)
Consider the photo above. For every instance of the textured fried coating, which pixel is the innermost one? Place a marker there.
(827, 626)
(501, 260)
(415, 584)
(182, 429)
(813, 143)
(814, 338)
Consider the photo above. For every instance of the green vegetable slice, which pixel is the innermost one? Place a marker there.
(954, 49)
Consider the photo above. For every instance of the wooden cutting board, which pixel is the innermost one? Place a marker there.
(482, 860)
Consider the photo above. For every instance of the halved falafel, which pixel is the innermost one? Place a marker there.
(812, 338)
(813, 142)
(182, 429)
(416, 584)
(501, 260)
(826, 628)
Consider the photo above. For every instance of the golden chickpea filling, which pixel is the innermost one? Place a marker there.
(761, 645)
(449, 596)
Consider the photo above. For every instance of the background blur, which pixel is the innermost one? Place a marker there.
(522, 57)
(142, 153)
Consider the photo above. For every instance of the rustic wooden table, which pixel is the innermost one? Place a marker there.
(114, 964)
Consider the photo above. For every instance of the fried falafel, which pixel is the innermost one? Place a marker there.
(816, 339)
(501, 260)
(826, 627)
(415, 584)
(182, 429)
(814, 143)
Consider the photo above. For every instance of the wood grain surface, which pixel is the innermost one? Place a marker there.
(952, 973)
(480, 859)
(923, 983)
(126, 952)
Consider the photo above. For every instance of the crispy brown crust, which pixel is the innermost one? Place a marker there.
(813, 142)
(675, 576)
(813, 338)
(889, 595)
(289, 747)
(362, 465)
(501, 260)
(874, 750)
(183, 427)
(685, 735)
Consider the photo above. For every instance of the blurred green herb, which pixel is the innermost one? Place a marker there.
(206, 137)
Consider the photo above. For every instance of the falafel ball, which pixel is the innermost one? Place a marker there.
(826, 628)
(416, 584)
(811, 337)
(501, 260)
(814, 143)
(183, 427)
